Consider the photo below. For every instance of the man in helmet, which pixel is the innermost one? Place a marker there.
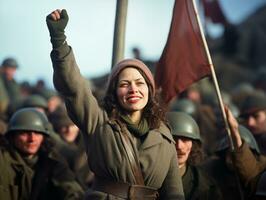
(12, 89)
(30, 168)
(196, 183)
(71, 146)
(250, 167)
(36, 101)
(253, 114)
(221, 166)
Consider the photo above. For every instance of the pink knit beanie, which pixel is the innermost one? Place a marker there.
(132, 63)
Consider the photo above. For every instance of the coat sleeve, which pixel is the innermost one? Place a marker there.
(247, 165)
(172, 188)
(82, 106)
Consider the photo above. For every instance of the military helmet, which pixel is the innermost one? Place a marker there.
(49, 93)
(10, 62)
(184, 105)
(261, 186)
(35, 101)
(183, 125)
(29, 119)
(253, 103)
(245, 135)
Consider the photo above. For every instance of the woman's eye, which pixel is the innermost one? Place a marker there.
(140, 83)
(123, 85)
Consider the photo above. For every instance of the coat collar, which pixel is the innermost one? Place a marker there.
(156, 136)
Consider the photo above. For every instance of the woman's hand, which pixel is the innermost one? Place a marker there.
(57, 22)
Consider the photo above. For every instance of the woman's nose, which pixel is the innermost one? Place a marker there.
(133, 88)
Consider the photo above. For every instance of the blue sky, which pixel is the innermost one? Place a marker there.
(24, 34)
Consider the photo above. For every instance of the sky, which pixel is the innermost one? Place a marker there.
(24, 34)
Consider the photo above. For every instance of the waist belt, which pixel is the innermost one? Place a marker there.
(125, 190)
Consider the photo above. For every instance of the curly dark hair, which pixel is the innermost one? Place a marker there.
(196, 155)
(154, 111)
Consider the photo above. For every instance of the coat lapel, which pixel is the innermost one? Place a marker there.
(157, 136)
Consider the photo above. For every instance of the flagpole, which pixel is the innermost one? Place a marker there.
(216, 85)
(119, 31)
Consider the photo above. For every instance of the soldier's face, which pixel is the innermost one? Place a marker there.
(183, 148)
(10, 72)
(132, 91)
(256, 122)
(69, 133)
(28, 143)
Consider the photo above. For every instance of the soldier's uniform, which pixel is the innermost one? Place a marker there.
(45, 176)
(196, 183)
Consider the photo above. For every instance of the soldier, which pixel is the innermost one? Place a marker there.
(127, 139)
(53, 100)
(250, 166)
(185, 105)
(12, 88)
(30, 168)
(196, 183)
(253, 114)
(36, 101)
(221, 168)
(71, 146)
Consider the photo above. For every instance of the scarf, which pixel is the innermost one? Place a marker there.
(138, 130)
(31, 162)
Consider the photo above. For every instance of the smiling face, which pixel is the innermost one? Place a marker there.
(28, 143)
(132, 92)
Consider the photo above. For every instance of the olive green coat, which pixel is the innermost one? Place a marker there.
(4, 99)
(14, 95)
(50, 179)
(108, 158)
(199, 186)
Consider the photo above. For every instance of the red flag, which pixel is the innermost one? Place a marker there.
(184, 59)
(213, 11)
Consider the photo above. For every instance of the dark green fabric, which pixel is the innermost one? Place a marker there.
(199, 186)
(14, 95)
(57, 29)
(50, 179)
(31, 162)
(138, 130)
(4, 99)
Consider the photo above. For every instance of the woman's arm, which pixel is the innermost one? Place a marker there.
(82, 106)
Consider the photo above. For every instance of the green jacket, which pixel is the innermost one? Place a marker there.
(49, 179)
(199, 186)
(4, 99)
(13, 91)
(108, 158)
